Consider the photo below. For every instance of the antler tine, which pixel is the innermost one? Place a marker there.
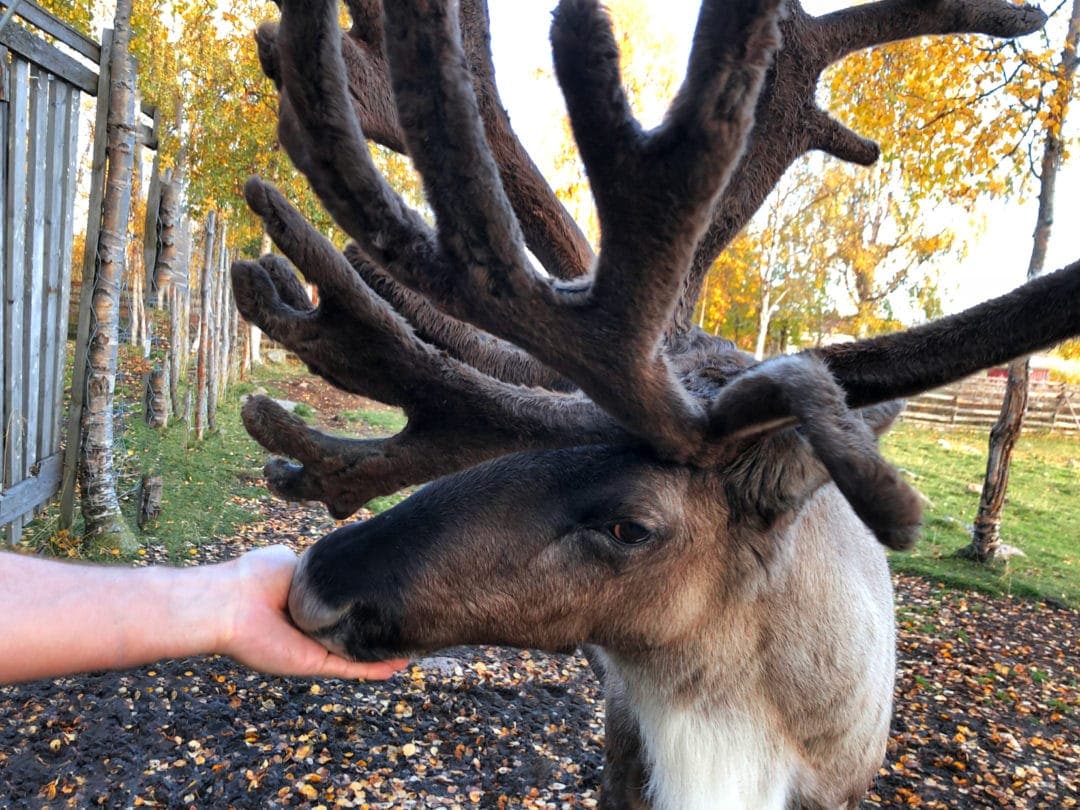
(1032, 317)
(438, 111)
(852, 29)
(486, 353)
(347, 473)
(550, 232)
(789, 123)
(654, 191)
(319, 130)
(357, 342)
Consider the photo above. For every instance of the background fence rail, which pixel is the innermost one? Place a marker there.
(976, 402)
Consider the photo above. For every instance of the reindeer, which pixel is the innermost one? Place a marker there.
(708, 527)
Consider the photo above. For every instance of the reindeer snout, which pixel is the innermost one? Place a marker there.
(342, 606)
(308, 610)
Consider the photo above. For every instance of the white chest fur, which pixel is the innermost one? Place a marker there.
(725, 759)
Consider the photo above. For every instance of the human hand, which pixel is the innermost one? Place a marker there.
(256, 627)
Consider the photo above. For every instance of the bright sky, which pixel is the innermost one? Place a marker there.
(997, 260)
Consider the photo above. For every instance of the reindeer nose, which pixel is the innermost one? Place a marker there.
(308, 610)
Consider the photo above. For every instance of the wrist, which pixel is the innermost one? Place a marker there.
(202, 608)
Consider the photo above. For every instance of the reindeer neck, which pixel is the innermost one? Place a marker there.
(712, 745)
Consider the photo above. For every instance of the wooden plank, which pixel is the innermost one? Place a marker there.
(4, 138)
(34, 263)
(146, 134)
(5, 94)
(82, 337)
(67, 229)
(32, 492)
(41, 53)
(14, 281)
(70, 36)
(55, 143)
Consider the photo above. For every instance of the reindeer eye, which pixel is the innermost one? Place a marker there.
(629, 532)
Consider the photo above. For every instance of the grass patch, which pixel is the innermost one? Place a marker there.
(1041, 516)
(388, 421)
(202, 480)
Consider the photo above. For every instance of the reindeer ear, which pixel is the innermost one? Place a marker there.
(880, 418)
(770, 479)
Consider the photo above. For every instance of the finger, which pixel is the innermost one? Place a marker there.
(334, 666)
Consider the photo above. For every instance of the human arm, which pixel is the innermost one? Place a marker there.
(61, 618)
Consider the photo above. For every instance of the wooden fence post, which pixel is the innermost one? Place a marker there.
(176, 349)
(11, 430)
(204, 327)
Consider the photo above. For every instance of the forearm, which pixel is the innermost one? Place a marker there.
(61, 618)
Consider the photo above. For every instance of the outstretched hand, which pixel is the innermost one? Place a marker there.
(258, 633)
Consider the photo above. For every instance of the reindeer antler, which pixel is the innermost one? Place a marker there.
(355, 340)
(475, 268)
(667, 199)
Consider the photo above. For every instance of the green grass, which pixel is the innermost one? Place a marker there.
(201, 479)
(388, 421)
(1041, 516)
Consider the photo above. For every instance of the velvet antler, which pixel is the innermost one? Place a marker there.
(487, 355)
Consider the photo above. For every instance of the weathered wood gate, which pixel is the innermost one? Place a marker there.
(40, 88)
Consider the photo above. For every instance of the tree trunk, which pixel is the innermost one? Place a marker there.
(167, 263)
(105, 526)
(155, 400)
(204, 328)
(213, 346)
(150, 491)
(176, 349)
(134, 266)
(221, 345)
(768, 309)
(135, 328)
(228, 332)
(986, 537)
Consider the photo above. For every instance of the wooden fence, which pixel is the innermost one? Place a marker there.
(43, 75)
(40, 89)
(976, 402)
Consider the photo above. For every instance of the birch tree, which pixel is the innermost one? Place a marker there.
(105, 526)
(986, 543)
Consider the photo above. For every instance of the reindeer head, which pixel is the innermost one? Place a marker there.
(612, 474)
